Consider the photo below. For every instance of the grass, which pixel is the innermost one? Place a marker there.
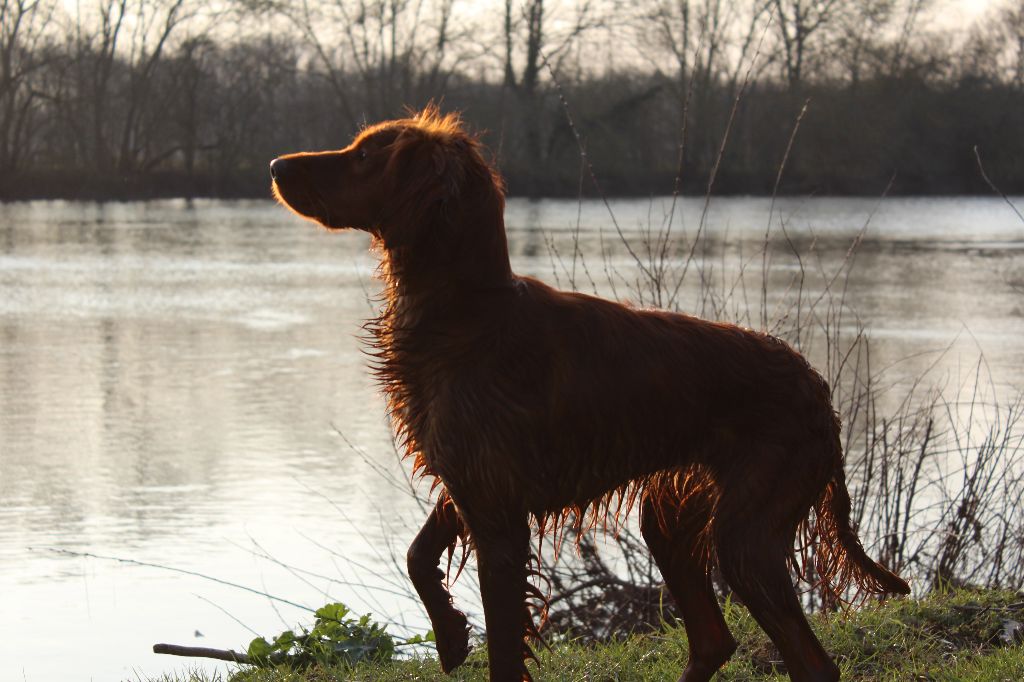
(944, 637)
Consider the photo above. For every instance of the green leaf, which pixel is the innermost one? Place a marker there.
(259, 649)
(421, 639)
(284, 641)
(336, 612)
(336, 639)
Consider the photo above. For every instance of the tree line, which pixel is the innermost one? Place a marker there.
(137, 98)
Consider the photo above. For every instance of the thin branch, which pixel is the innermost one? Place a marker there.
(174, 569)
(984, 175)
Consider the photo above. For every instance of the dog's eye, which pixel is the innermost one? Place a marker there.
(361, 154)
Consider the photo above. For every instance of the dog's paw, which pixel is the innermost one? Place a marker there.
(453, 641)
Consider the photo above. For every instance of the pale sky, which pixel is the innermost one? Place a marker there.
(961, 12)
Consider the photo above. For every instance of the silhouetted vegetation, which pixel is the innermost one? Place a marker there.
(122, 98)
(949, 636)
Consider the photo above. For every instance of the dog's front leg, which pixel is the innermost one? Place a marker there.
(502, 556)
(451, 629)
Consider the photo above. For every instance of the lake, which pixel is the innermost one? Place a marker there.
(182, 388)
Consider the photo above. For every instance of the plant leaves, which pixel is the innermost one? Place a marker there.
(421, 639)
(259, 649)
(284, 641)
(336, 612)
(336, 639)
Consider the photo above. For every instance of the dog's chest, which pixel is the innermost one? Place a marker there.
(430, 382)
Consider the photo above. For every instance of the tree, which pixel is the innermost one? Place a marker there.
(377, 55)
(994, 50)
(190, 75)
(803, 29)
(709, 43)
(22, 53)
(536, 38)
(876, 37)
(1011, 22)
(116, 52)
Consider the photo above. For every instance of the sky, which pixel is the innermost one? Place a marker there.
(962, 11)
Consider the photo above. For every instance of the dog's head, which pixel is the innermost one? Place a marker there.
(408, 181)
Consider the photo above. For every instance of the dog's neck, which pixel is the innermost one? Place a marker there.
(414, 290)
(443, 264)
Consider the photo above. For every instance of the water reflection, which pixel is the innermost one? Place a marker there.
(175, 375)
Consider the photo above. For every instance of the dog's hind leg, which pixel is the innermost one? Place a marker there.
(760, 577)
(673, 534)
(755, 527)
(451, 630)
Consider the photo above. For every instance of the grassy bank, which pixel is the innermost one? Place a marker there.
(963, 635)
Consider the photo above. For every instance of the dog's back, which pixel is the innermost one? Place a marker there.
(568, 387)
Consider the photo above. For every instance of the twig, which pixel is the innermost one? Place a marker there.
(590, 168)
(713, 174)
(771, 212)
(991, 184)
(204, 652)
(226, 613)
(162, 567)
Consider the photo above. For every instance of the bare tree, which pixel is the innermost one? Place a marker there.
(154, 23)
(536, 38)
(876, 37)
(708, 44)
(116, 48)
(803, 28)
(22, 37)
(259, 82)
(1015, 24)
(909, 14)
(379, 55)
(94, 55)
(858, 42)
(706, 38)
(190, 72)
(1008, 28)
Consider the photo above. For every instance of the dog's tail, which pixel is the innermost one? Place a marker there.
(840, 559)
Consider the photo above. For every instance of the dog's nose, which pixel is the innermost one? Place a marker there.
(278, 167)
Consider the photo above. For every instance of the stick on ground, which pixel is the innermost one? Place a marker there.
(202, 652)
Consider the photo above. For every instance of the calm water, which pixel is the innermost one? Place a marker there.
(181, 384)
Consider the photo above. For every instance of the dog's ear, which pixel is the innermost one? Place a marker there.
(425, 174)
(449, 166)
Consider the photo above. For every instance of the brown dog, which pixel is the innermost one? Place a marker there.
(529, 404)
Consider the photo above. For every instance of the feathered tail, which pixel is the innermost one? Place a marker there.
(840, 559)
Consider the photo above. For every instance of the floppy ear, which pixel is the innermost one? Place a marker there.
(424, 175)
(449, 167)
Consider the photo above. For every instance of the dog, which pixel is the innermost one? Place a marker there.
(529, 407)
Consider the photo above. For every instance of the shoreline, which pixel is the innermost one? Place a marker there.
(77, 186)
